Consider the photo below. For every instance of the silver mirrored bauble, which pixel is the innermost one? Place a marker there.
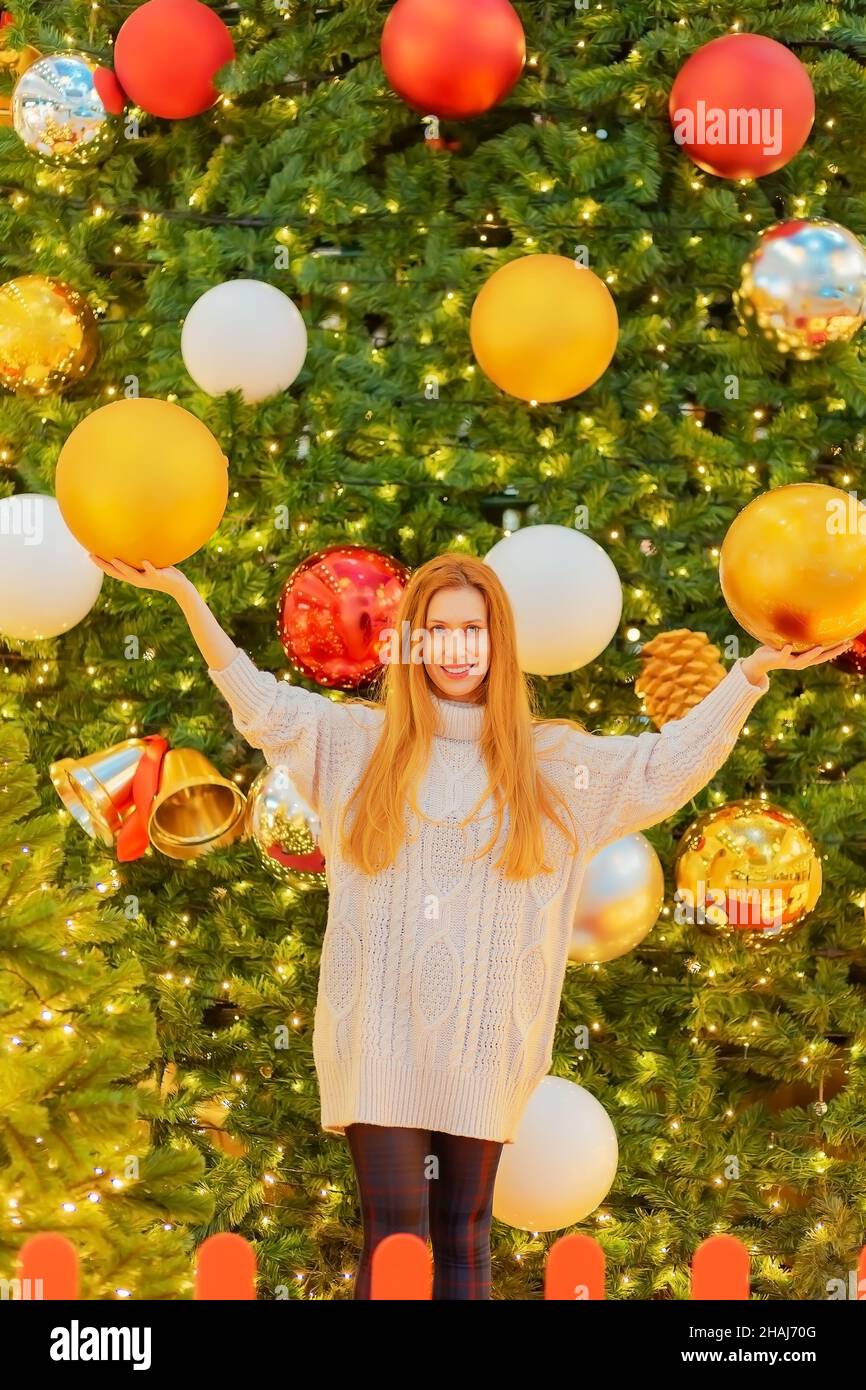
(804, 286)
(285, 829)
(58, 112)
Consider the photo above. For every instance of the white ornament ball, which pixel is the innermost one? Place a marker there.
(621, 897)
(48, 582)
(565, 594)
(562, 1163)
(244, 335)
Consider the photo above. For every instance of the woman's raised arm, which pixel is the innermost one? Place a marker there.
(632, 781)
(215, 645)
(289, 724)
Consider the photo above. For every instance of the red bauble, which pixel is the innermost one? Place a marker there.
(333, 610)
(742, 106)
(167, 54)
(451, 58)
(854, 660)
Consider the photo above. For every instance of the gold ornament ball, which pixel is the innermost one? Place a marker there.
(59, 114)
(804, 286)
(543, 328)
(285, 829)
(142, 479)
(48, 335)
(793, 566)
(747, 869)
(14, 62)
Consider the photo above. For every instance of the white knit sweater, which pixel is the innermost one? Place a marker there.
(440, 981)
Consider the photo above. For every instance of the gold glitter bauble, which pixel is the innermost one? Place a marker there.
(48, 335)
(748, 869)
(58, 112)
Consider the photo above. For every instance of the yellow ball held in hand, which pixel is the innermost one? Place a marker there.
(544, 328)
(793, 566)
(142, 480)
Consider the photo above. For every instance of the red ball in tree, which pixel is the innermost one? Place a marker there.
(166, 57)
(742, 106)
(452, 59)
(854, 660)
(333, 611)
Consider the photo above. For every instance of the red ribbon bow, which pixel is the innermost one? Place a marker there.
(132, 838)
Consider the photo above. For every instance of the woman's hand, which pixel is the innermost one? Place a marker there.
(765, 659)
(167, 581)
(216, 646)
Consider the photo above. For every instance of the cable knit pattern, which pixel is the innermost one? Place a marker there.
(440, 980)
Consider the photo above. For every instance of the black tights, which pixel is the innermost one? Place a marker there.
(433, 1185)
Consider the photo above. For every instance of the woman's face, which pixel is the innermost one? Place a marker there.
(458, 647)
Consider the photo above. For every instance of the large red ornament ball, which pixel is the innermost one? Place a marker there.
(452, 59)
(167, 54)
(333, 610)
(742, 106)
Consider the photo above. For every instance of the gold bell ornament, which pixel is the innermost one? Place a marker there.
(109, 793)
(211, 1116)
(196, 809)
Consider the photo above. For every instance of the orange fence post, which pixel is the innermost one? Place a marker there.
(402, 1269)
(48, 1268)
(720, 1270)
(861, 1276)
(575, 1270)
(225, 1269)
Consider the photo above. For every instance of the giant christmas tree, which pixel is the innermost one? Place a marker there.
(736, 1082)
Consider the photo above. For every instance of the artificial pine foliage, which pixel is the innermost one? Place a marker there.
(311, 174)
(79, 1057)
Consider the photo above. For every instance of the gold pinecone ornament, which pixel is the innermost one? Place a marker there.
(679, 669)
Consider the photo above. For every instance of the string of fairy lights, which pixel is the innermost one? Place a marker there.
(647, 411)
(592, 214)
(541, 183)
(106, 1184)
(275, 1171)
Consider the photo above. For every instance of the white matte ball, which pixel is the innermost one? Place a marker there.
(244, 335)
(562, 1163)
(48, 582)
(565, 593)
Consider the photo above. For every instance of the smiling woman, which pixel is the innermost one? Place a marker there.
(458, 829)
(459, 656)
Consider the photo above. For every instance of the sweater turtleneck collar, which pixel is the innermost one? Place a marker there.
(458, 719)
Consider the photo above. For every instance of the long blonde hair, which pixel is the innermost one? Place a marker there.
(402, 752)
